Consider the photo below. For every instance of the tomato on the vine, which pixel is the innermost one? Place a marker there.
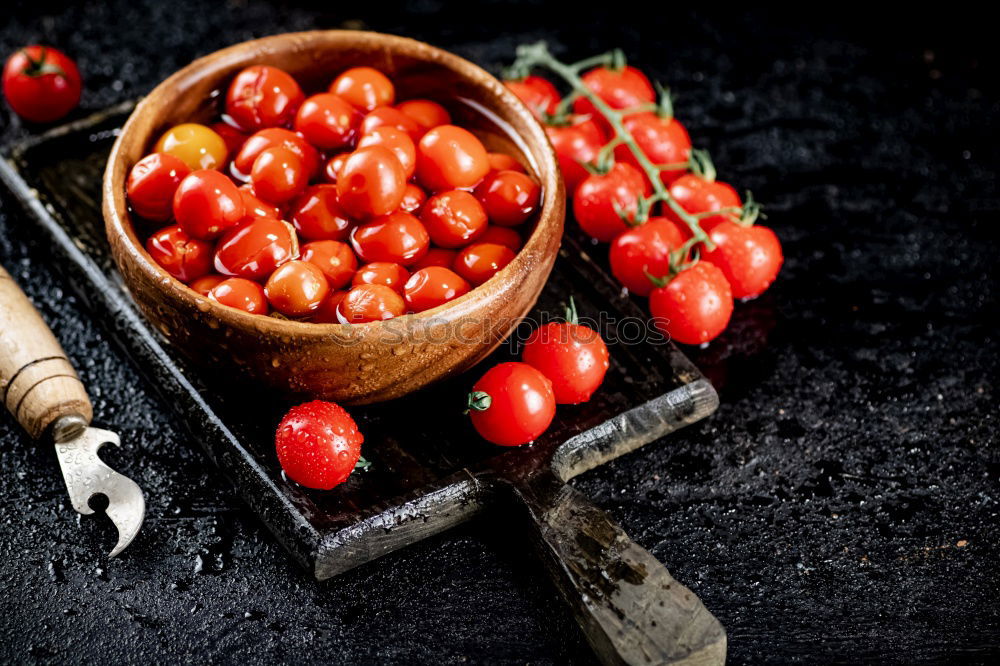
(644, 249)
(433, 286)
(749, 256)
(371, 182)
(537, 93)
(623, 88)
(318, 444)
(398, 237)
(41, 84)
(695, 306)
(512, 404)
(263, 96)
(450, 157)
(182, 256)
(575, 144)
(453, 218)
(328, 122)
(207, 203)
(663, 140)
(296, 288)
(600, 197)
(152, 183)
(698, 195)
(255, 249)
(334, 258)
(364, 88)
(572, 356)
(317, 215)
(509, 197)
(370, 302)
(241, 294)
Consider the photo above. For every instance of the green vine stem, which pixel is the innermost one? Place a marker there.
(538, 55)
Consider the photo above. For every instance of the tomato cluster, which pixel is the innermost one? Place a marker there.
(650, 210)
(342, 206)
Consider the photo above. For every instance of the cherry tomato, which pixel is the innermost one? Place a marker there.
(572, 356)
(504, 162)
(370, 302)
(241, 294)
(391, 117)
(333, 167)
(575, 145)
(396, 140)
(433, 286)
(263, 96)
(183, 257)
(480, 261)
(254, 250)
(254, 207)
(537, 93)
(453, 219)
(318, 444)
(205, 284)
(334, 258)
(749, 256)
(501, 236)
(425, 113)
(152, 183)
(269, 138)
(663, 140)
(509, 197)
(371, 182)
(397, 237)
(642, 249)
(326, 313)
(599, 198)
(697, 195)
(207, 203)
(231, 136)
(512, 404)
(384, 273)
(41, 83)
(364, 88)
(296, 288)
(695, 306)
(449, 157)
(316, 214)
(328, 122)
(624, 88)
(436, 256)
(278, 174)
(413, 199)
(195, 145)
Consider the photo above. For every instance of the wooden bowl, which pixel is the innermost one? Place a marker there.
(359, 363)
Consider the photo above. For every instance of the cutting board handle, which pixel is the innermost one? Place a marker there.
(627, 603)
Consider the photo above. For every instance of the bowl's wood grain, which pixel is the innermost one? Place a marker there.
(351, 364)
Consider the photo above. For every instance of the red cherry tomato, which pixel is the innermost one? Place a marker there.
(697, 195)
(241, 294)
(207, 203)
(316, 214)
(371, 182)
(263, 96)
(41, 83)
(333, 167)
(254, 250)
(504, 162)
(572, 356)
(231, 136)
(453, 219)
(205, 284)
(480, 261)
(749, 257)
(512, 404)
(152, 183)
(296, 288)
(450, 157)
(391, 117)
(269, 138)
(509, 197)
(334, 258)
(397, 237)
(413, 199)
(364, 88)
(599, 198)
(370, 302)
(537, 93)
(425, 113)
(436, 256)
(695, 306)
(624, 88)
(663, 140)
(501, 236)
(328, 122)
(253, 207)
(433, 286)
(183, 257)
(278, 174)
(575, 144)
(642, 249)
(318, 444)
(396, 140)
(384, 273)
(326, 313)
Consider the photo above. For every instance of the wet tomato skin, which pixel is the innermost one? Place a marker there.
(334, 259)
(241, 294)
(642, 249)
(364, 88)
(398, 237)
(391, 117)
(296, 288)
(262, 96)
(185, 258)
(36, 95)
(509, 197)
(433, 286)
(370, 302)
(623, 88)
(413, 199)
(152, 183)
(537, 93)
(371, 182)
(254, 207)
(328, 122)
(599, 198)
(231, 136)
(436, 256)
(205, 284)
(207, 203)
(478, 262)
(318, 444)
(278, 175)
(575, 145)
(504, 162)
(453, 218)
(384, 273)
(572, 356)
(196, 145)
(749, 256)
(397, 141)
(501, 236)
(326, 313)
(663, 140)
(317, 215)
(269, 138)
(697, 195)
(521, 404)
(695, 306)
(426, 113)
(255, 249)
(450, 157)
(333, 167)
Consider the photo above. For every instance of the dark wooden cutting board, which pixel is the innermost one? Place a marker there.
(429, 469)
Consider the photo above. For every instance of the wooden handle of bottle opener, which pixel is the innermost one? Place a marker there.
(38, 385)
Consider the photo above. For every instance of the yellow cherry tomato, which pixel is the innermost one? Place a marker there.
(196, 145)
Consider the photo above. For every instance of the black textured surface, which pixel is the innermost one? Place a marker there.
(841, 505)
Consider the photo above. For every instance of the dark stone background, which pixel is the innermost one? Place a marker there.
(840, 506)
